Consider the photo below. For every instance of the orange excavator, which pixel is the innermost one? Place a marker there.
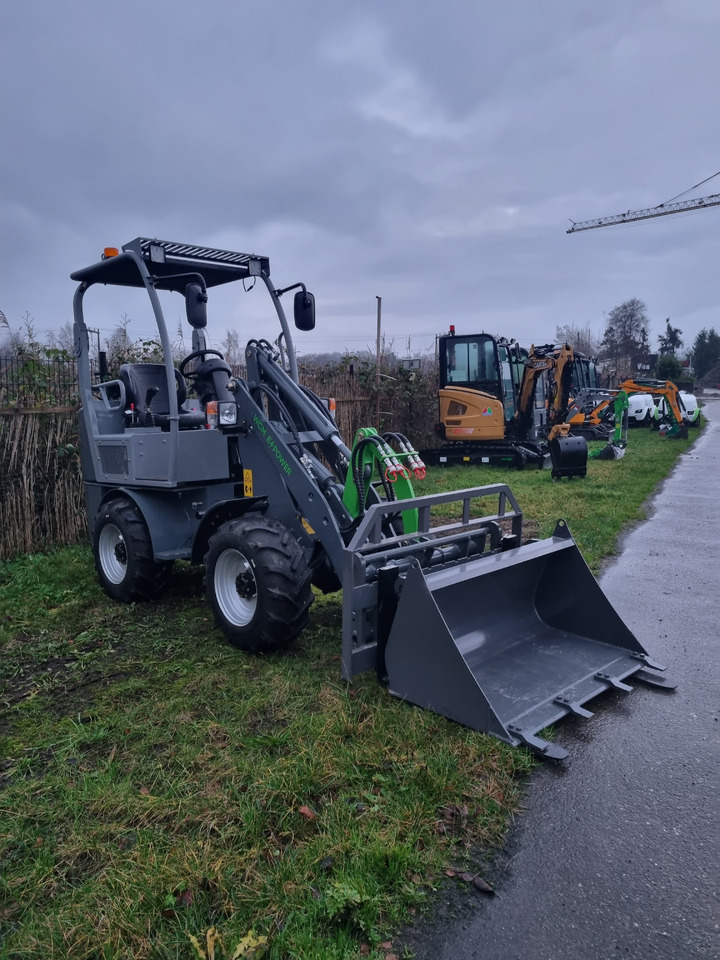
(590, 411)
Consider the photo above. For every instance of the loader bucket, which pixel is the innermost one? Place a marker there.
(467, 620)
(511, 643)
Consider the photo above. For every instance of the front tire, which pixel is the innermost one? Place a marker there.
(123, 553)
(258, 583)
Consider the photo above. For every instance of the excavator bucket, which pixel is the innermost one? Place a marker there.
(617, 444)
(502, 636)
(569, 456)
(611, 451)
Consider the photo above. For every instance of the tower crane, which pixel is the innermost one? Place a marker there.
(662, 210)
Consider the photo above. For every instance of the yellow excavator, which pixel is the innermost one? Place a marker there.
(491, 411)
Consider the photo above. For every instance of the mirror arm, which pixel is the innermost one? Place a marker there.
(190, 277)
(279, 293)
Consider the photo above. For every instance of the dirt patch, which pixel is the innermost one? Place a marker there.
(459, 899)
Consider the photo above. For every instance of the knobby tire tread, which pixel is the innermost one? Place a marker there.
(284, 582)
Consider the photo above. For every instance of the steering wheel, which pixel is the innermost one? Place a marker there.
(194, 355)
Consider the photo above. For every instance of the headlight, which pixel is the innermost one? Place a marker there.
(227, 412)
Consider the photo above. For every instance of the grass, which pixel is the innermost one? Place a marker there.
(159, 786)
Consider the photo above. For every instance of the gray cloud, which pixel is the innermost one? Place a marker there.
(431, 154)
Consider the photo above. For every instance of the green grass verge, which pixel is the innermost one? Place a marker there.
(156, 784)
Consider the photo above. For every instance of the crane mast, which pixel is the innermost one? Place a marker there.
(663, 210)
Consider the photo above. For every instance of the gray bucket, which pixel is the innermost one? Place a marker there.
(511, 642)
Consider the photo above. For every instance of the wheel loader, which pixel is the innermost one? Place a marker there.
(443, 596)
(491, 410)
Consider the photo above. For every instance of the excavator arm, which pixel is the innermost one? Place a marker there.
(559, 363)
(670, 393)
(568, 454)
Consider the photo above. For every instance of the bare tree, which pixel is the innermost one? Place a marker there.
(63, 339)
(583, 339)
(234, 351)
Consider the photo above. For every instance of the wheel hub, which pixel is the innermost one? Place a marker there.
(236, 588)
(245, 585)
(113, 553)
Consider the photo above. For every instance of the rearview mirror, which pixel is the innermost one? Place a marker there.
(196, 306)
(304, 308)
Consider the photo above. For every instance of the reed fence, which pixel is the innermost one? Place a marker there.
(41, 494)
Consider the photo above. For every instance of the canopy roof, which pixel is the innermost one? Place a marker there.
(170, 263)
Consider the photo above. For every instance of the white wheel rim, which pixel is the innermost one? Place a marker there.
(235, 588)
(112, 552)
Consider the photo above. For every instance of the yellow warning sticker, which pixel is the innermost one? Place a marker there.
(248, 483)
(308, 528)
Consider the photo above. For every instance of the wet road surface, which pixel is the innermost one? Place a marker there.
(617, 852)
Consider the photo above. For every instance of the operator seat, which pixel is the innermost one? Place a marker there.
(146, 388)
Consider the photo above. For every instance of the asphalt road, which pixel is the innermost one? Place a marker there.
(617, 853)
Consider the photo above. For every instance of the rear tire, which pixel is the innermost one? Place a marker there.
(123, 554)
(258, 583)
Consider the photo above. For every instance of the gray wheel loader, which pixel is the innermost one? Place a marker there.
(442, 595)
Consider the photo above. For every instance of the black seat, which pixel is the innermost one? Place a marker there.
(146, 389)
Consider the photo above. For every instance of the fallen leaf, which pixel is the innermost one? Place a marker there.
(145, 791)
(251, 947)
(198, 949)
(450, 873)
(467, 877)
(482, 885)
(211, 938)
(307, 812)
(185, 898)
(127, 842)
(387, 945)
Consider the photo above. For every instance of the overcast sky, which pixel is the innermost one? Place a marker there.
(431, 153)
